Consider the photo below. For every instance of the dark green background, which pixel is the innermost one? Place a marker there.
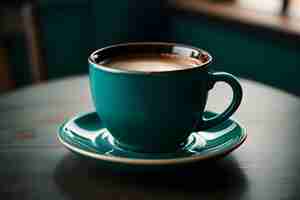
(73, 29)
(249, 53)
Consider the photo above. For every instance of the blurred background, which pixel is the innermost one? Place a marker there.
(42, 40)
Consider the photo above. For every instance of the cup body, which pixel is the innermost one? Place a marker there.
(149, 111)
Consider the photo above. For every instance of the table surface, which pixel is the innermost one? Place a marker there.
(35, 166)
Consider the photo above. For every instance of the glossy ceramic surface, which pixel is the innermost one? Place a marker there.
(156, 111)
(97, 143)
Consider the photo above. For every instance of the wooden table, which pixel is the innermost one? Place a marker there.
(33, 165)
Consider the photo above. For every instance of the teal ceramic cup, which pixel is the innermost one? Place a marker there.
(156, 111)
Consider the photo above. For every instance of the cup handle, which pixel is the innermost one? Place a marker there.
(235, 103)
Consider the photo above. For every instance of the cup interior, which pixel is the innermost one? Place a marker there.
(99, 57)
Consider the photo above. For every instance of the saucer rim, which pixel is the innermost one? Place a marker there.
(138, 161)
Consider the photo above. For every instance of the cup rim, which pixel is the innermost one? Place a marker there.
(96, 65)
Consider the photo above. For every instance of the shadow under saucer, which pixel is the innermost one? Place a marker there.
(214, 179)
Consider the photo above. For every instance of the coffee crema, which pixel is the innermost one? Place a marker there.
(152, 62)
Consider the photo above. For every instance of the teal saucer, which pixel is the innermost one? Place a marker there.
(85, 135)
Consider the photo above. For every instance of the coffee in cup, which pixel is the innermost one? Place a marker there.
(152, 62)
